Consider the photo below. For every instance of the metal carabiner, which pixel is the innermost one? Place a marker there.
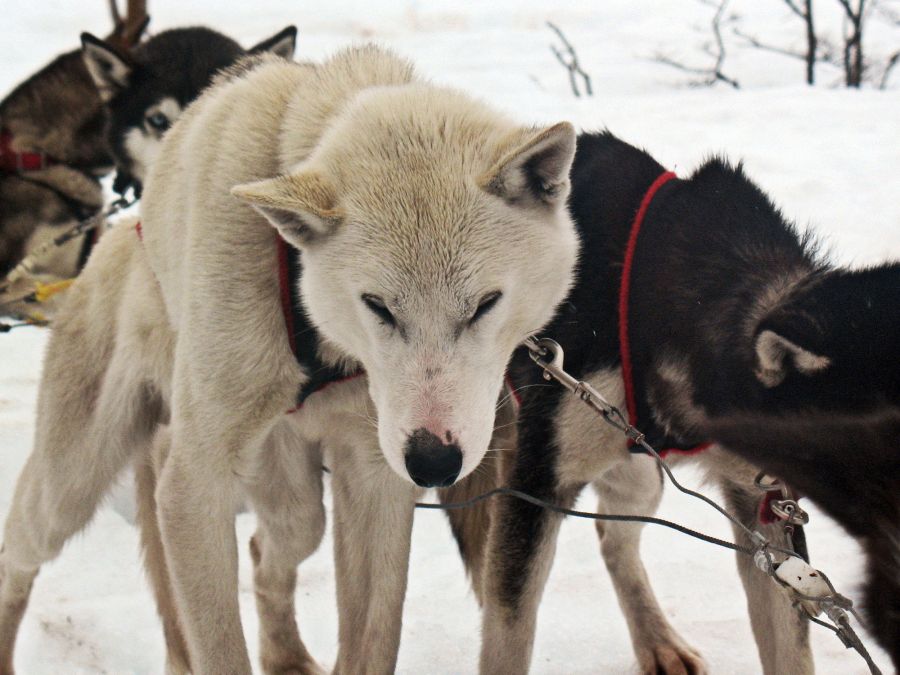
(789, 511)
(543, 347)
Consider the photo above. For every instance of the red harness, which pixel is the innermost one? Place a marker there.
(12, 161)
(624, 289)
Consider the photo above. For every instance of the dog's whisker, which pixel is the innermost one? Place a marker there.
(517, 390)
(504, 426)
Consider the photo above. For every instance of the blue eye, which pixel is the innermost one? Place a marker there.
(158, 121)
(378, 308)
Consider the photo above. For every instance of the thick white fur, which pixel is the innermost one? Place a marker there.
(420, 210)
(420, 227)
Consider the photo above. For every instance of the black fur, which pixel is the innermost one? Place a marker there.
(306, 340)
(849, 464)
(179, 64)
(55, 111)
(716, 265)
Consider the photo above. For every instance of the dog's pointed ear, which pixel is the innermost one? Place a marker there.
(776, 356)
(110, 69)
(536, 169)
(302, 206)
(281, 44)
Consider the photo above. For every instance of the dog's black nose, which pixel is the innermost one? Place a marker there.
(430, 462)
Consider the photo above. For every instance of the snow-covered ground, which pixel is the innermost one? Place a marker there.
(830, 157)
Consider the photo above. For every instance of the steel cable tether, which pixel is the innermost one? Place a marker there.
(24, 268)
(810, 589)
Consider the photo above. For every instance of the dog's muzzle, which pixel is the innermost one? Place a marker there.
(431, 462)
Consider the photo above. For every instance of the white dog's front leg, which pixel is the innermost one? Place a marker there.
(286, 491)
(373, 515)
(196, 498)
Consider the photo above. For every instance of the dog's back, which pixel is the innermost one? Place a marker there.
(55, 114)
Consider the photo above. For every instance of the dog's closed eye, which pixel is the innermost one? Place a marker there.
(487, 303)
(377, 306)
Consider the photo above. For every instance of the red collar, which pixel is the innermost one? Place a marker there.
(624, 289)
(12, 161)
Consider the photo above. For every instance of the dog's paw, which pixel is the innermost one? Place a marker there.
(307, 670)
(671, 658)
(300, 667)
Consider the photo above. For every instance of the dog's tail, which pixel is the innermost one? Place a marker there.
(470, 525)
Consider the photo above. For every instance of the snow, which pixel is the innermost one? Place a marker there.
(830, 157)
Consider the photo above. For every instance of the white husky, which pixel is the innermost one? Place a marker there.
(404, 199)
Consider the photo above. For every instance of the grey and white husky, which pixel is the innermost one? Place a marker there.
(57, 137)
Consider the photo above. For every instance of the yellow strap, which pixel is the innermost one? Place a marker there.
(43, 292)
(37, 319)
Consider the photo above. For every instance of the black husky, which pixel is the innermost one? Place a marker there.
(145, 91)
(696, 303)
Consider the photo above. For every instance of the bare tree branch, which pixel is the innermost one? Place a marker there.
(853, 46)
(571, 63)
(755, 42)
(795, 8)
(811, 56)
(812, 41)
(846, 5)
(717, 32)
(713, 74)
(889, 66)
(848, 55)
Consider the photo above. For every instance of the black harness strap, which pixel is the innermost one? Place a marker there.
(90, 240)
(303, 336)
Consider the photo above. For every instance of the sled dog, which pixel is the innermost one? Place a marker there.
(694, 301)
(406, 219)
(53, 179)
(52, 154)
(146, 91)
(844, 459)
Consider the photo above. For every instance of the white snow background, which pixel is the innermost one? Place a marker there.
(828, 156)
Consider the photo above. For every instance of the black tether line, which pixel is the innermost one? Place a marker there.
(584, 514)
